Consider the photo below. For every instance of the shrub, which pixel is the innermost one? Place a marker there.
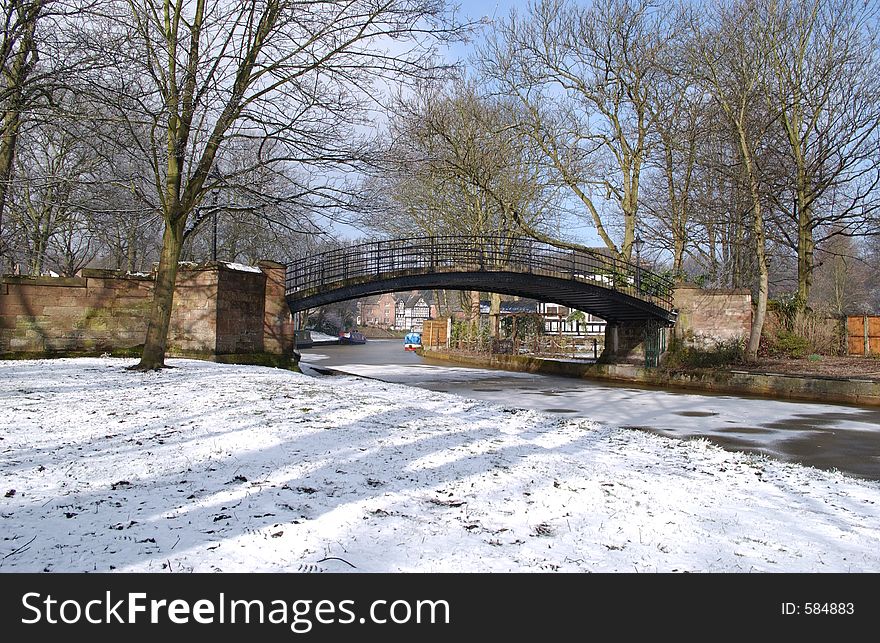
(785, 309)
(789, 344)
(528, 325)
(724, 353)
(793, 333)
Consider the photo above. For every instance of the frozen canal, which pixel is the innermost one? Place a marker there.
(826, 436)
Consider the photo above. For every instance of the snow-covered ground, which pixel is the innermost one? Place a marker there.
(826, 436)
(217, 467)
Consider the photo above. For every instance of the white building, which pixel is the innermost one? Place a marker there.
(411, 313)
(556, 321)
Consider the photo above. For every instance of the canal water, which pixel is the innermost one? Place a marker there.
(826, 436)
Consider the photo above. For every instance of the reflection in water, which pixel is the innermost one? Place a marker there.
(820, 435)
(746, 430)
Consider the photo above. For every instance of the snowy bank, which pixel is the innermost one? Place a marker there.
(322, 337)
(237, 468)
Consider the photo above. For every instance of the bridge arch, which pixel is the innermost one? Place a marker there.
(607, 287)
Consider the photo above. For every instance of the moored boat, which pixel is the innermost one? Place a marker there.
(412, 341)
(352, 337)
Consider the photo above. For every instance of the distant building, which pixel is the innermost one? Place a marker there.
(518, 307)
(396, 311)
(408, 311)
(378, 311)
(412, 311)
(557, 322)
(556, 317)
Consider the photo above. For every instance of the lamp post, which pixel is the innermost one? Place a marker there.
(215, 176)
(637, 246)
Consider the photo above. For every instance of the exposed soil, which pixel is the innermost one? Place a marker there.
(846, 367)
(370, 332)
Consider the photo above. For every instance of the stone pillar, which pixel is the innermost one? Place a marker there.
(707, 317)
(241, 310)
(624, 342)
(193, 327)
(278, 324)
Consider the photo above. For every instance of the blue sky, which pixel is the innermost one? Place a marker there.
(489, 8)
(477, 10)
(578, 227)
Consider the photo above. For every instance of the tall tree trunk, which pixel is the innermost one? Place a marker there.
(737, 250)
(760, 249)
(495, 314)
(630, 207)
(760, 310)
(8, 142)
(677, 251)
(153, 357)
(41, 244)
(131, 252)
(676, 213)
(15, 78)
(475, 312)
(805, 249)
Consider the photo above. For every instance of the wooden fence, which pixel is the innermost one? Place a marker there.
(863, 334)
(434, 333)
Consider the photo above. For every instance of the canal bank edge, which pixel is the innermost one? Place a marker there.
(769, 385)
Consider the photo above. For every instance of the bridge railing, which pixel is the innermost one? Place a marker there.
(393, 257)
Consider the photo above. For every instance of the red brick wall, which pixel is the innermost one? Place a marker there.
(217, 310)
(705, 318)
(375, 315)
(239, 314)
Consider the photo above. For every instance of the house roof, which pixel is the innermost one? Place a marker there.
(372, 300)
(427, 295)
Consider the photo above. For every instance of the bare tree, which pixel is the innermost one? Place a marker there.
(46, 197)
(39, 54)
(18, 55)
(243, 219)
(297, 75)
(823, 80)
(843, 276)
(729, 61)
(453, 153)
(584, 77)
(681, 120)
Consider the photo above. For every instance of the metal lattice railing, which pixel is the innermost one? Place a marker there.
(375, 260)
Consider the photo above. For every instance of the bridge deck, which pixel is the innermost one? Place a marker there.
(590, 281)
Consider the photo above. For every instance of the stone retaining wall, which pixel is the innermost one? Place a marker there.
(219, 309)
(705, 319)
(708, 317)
